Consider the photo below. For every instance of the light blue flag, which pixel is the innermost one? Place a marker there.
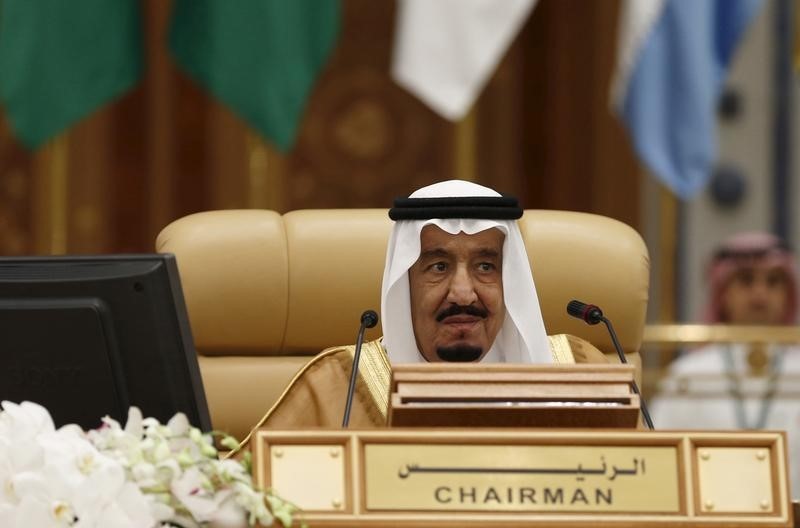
(670, 98)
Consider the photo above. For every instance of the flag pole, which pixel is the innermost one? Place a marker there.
(265, 175)
(465, 146)
(52, 196)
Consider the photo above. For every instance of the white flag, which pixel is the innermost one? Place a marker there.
(445, 50)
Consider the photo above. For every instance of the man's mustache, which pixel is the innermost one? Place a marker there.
(457, 309)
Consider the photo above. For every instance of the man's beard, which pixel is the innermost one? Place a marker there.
(459, 353)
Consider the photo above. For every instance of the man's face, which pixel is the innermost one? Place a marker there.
(757, 294)
(457, 305)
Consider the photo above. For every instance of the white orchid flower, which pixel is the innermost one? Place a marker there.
(26, 418)
(139, 475)
(20, 425)
(134, 426)
(253, 502)
(178, 425)
(192, 490)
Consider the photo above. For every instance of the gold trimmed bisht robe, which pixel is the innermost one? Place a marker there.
(316, 395)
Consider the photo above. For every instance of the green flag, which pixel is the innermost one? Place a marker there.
(260, 57)
(60, 59)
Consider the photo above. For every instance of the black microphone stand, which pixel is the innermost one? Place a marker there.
(623, 359)
(368, 319)
(591, 314)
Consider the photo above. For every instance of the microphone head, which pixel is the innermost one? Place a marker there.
(369, 318)
(589, 313)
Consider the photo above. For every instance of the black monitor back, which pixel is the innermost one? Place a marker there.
(89, 336)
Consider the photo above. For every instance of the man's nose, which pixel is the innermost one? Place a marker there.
(462, 290)
(760, 288)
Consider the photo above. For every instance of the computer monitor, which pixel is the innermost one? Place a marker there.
(89, 336)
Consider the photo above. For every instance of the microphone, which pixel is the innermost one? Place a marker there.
(591, 314)
(368, 320)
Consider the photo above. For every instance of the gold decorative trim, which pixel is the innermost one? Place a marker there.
(560, 349)
(376, 371)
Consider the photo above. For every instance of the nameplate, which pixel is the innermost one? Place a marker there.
(554, 478)
(507, 477)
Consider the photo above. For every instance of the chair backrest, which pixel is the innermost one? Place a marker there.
(594, 259)
(266, 291)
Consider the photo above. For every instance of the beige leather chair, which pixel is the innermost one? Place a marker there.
(266, 292)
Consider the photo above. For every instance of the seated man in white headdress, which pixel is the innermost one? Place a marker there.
(457, 286)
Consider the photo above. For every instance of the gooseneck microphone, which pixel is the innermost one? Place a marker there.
(368, 319)
(591, 314)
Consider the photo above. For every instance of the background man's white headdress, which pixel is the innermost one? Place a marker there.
(522, 338)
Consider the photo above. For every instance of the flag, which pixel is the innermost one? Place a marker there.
(61, 60)
(259, 57)
(672, 60)
(446, 50)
